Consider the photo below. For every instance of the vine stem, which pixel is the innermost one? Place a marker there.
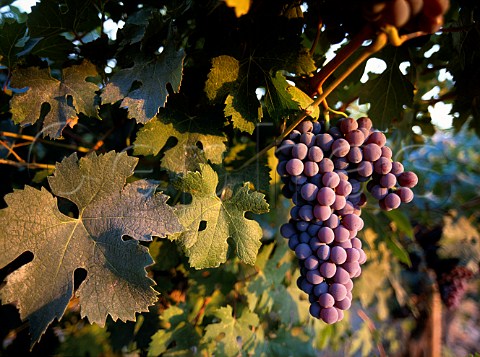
(11, 151)
(33, 138)
(380, 42)
(29, 165)
(371, 327)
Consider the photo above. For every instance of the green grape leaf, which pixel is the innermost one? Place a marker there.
(143, 87)
(116, 282)
(186, 154)
(180, 333)
(223, 219)
(278, 100)
(244, 109)
(222, 77)
(303, 100)
(286, 342)
(51, 18)
(231, 335)
(388, 93)
(12, 33)
(67, 97)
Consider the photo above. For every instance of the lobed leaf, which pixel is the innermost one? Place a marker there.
(116, 282)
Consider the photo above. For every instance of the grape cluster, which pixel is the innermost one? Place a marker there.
(453, 285)
(323, 173)
(414, 15)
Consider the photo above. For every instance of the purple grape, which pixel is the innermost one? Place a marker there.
(340, 314)
(299, 151)
(349, 285)
(387, 152)
(295, 135)
(325, 196)
(294, 213)
(338, 291)
(287, 230)
(315, 244)
(305, 126)
(313, 229)
(311, 168)
(315, 154)
(321, 288)
(343, 304)
(378, 138)
(311, 262)
(365, 169)
(294, 167)
(351, 268)
(329, 316)
(342, 174)
(389, 180)
(323, 252)
(302, 226)
(364, 122)
(353, 233)
(304, 237)
(322, 212)
(317, 127)
(363, 256)
(326, 165)
(355, 137)
(347, 125)
(326, 300)
(298, 180)
(338, 255)
(356, 243)
(406, 195)
(331, 179)
(352, 222)
(315, 310)
(341, 275)
(355, 155)
(372, 152)
(314, 277)
(408, 179)
(285, 148)
(353, 255)
(305, 286)
(348, 209)
(332, 222)
(340, 202)
(397, 168)
(324, 141)
(392, 201)
(379, 192)
(349, 295)
(344, 245)
(309, 192)
(282, 168)
(316, 180)
(341, 234)
(328, 270)
(340, 163)
(356, 185)
(340, 147)
(343, 188)
(326, 235)
(293, 242)
(308, 139)
(382, 166)
(335, 132)
(303, 251)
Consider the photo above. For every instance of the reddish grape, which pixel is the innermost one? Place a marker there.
(353, 255)
(382, 166)
(377, 137)
(341, 234)
(310, 168)
(326, 300)
(343, 188)
(397, 168)
(365, 169)
(392, 201)
(340, 202)
(329, 315)
(326, 235)
(387, 152)
(408, 179)
(305, 126)
(315, 154)
(364, 122)
(326, 196)
(343, 304)
(314, 277)
(341, 275)
(328, 270)
(331, 179)
(355, 137)
(372, 152)
(332, 222)
(322, 212)
(405, 194)
(307, 139)
(347, 125)
(309, 192)
(338, 255)
(389, 180)
(326, 165)
(355, 155)
(299, 151)
(338, 291)
(324, 141)
(340, 147)
(294, 167)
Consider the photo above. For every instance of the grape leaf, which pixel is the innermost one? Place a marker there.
(241, 7)
(12, 33)
(231, 335)
(152, 76)
(222, 77)
(388, 93)
(244, 109)
(66, 97)
(286, 342)
(116, 283)
(224, 219)
(180, 332)
(303, 100)
(189, 132)
(278, 100)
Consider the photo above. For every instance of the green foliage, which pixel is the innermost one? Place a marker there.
(222, 218)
